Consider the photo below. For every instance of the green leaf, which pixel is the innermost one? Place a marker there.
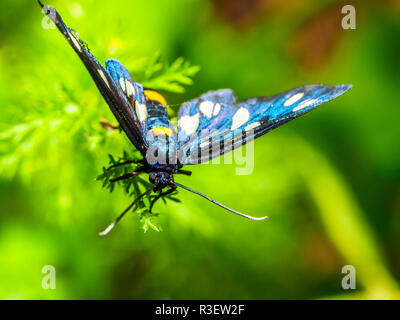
(149, 221)
(171, 78)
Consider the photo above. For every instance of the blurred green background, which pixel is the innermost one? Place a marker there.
(329, 181)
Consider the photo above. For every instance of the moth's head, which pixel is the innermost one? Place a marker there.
(161, 179)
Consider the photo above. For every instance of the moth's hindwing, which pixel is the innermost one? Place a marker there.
(215, 123)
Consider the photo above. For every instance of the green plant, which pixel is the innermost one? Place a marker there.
(36, 142)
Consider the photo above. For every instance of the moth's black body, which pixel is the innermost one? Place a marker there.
(209, 126)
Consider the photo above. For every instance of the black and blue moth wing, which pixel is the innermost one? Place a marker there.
(150, 114)
(202, 119)
(132, 93)
(215, 123)
(108, 83)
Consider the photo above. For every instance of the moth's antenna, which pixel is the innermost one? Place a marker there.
(220, 204)
(112, 225)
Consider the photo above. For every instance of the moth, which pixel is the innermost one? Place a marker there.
(208, 126)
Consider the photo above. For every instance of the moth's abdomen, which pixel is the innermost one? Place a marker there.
(157, 119)
(160, 135)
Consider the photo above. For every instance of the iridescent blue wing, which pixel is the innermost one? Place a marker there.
(108, 84)
(204, 114)
(208, 127)
(148, 110)
(132, 93)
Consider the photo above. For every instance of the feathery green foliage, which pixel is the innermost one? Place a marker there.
(26, 142)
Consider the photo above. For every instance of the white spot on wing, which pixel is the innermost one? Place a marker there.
(189, 124)
(239, 118)
(217, 109)
(103, 77)
(141, 111)
(206, 108)
(122, 84)
(130, 89)
(305, 104)
(75, 42)
(252, 126)
(293, 99)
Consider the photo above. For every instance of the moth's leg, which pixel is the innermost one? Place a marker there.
(161, 194)
(186, 172)
(125, 163)
(107, 125)
(127, 175)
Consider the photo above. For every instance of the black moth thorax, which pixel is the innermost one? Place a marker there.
(161, 179)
